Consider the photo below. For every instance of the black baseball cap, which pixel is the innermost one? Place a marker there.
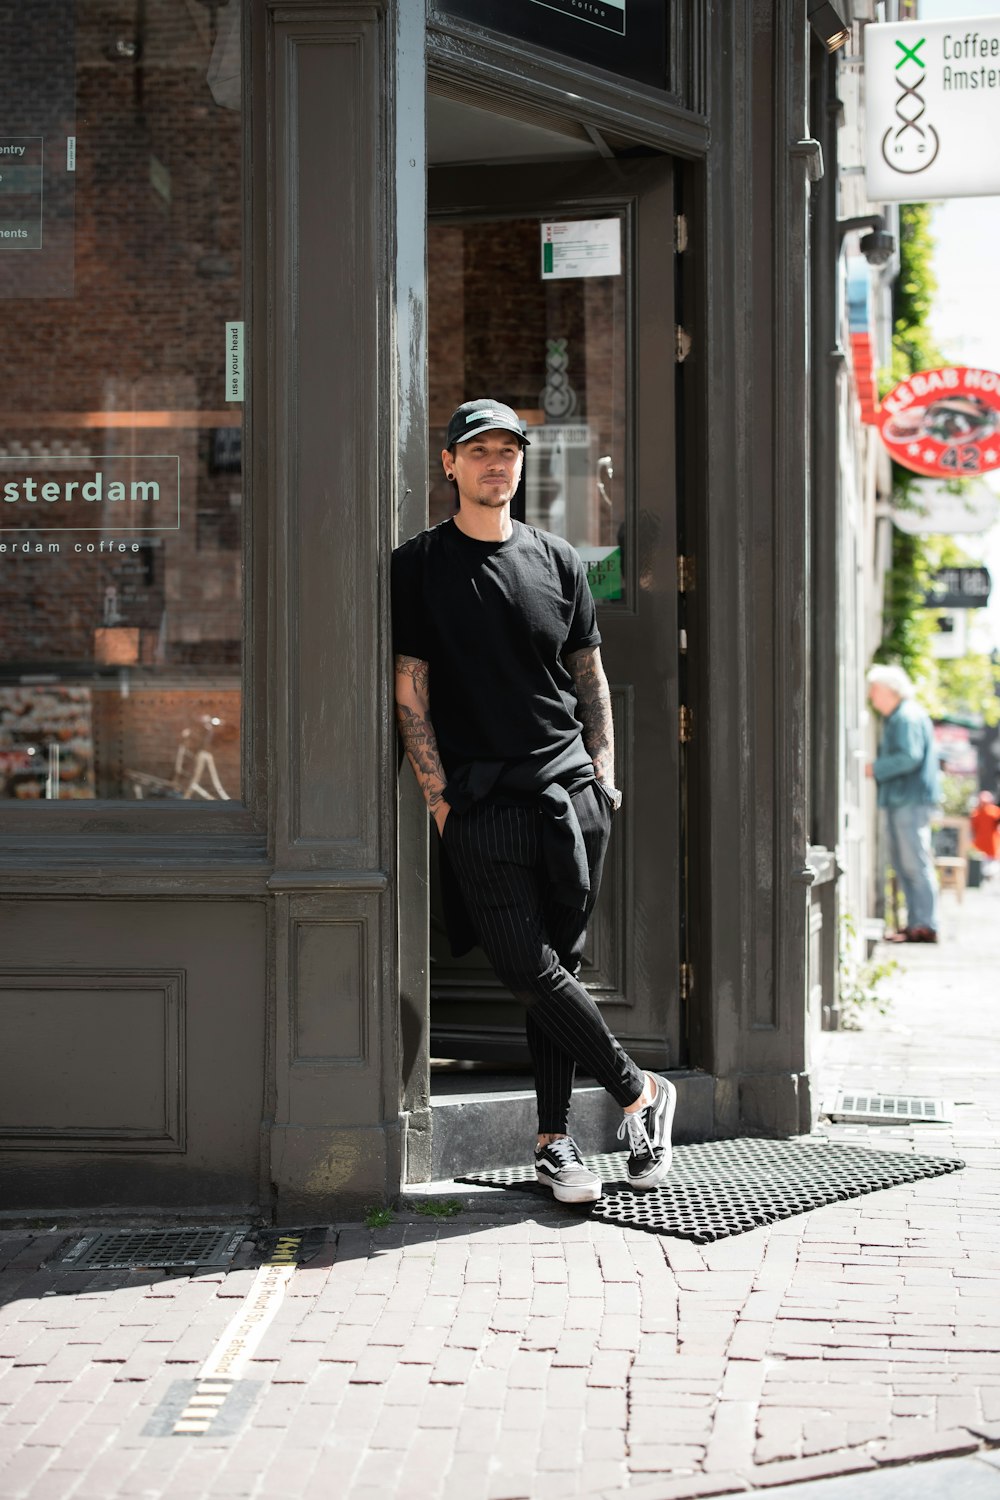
(473, 417)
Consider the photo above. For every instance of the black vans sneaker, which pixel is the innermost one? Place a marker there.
(648, 1131)
(561, 1167)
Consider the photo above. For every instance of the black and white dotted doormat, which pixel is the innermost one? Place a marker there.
(722, 1188)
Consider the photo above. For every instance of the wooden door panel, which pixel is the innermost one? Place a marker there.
(134, 1047)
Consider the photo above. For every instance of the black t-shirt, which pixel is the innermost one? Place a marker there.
(494, 621)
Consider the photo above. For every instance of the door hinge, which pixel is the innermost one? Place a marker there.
(686, 734)
(682, 344)
(687, 981)
(685, 574)
(680, 233)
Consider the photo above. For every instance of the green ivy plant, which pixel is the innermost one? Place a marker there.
(913, 296)
(966, 685)
(907, 627)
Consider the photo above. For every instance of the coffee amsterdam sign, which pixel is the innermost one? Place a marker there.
(944, 423)
(932, 109)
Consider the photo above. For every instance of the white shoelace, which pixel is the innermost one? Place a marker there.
(565, 1152)
(638, 1135)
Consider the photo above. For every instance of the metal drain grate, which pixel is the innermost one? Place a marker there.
(724, 1188)
(129, 1249)
(887, 1109)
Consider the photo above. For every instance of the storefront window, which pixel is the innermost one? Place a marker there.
(532, 312)
(121, 440)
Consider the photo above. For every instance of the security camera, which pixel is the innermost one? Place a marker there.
(878, 248)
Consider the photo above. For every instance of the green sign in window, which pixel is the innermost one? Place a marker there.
(604, 571)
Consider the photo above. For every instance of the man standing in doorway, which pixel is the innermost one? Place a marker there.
(505, 714)
(906, 770)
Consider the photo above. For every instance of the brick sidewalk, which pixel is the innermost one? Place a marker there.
(517, 1352)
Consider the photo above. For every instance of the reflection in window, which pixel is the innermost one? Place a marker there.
(554, 350)
(120, 454)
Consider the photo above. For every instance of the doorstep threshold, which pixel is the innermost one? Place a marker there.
(457, 1088)
(493, 1121)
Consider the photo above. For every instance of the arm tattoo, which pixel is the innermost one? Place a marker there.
(416, 729)
(421, 746)
(593, 707)
(416, 672)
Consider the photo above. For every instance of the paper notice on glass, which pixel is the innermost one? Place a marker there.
(604, 571)
(581, 247)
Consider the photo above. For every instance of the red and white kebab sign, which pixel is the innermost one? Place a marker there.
(944, 423)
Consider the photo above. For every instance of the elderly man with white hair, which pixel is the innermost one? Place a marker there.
(906, 771)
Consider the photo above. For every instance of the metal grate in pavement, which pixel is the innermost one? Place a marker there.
(722, 1188)
(863, 1108)
(130, 1249)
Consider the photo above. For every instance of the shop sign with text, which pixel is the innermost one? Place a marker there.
(944, 423)
(959, 588)
(956, 752)
(932, 109)
(90, 492)
(627, 37)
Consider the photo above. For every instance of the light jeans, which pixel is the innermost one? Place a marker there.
(912, 859)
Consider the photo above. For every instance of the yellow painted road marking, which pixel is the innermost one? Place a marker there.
(236, 1347)
(242, 1335)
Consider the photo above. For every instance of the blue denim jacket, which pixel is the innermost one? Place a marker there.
(906, 768)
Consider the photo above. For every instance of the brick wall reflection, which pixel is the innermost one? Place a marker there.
(123, 312)
(490, 319)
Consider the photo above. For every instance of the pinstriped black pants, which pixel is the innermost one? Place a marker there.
(535, 944)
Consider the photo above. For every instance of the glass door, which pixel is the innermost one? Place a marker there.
(550, 287)
(566, 379)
